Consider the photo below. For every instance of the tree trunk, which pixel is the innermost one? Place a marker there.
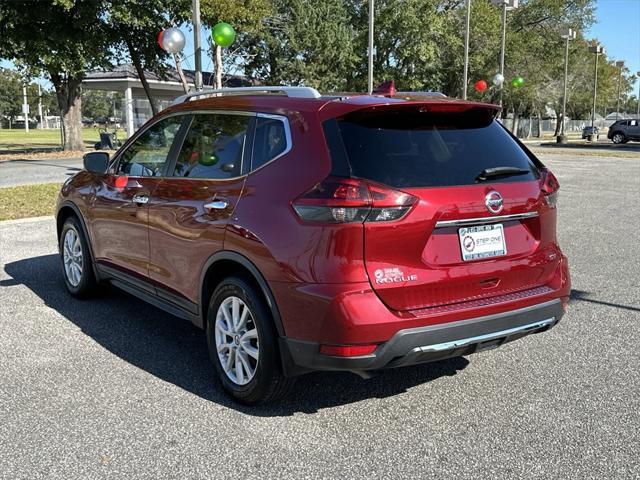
(539, 134)
(68, 92)
(137, 63)
(183, 79)
(558, 124)
(218, 66)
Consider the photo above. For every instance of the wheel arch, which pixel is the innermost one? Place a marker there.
(227, 263)
(69, 209)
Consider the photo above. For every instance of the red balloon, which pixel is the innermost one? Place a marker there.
(481, 86)
(160, 35)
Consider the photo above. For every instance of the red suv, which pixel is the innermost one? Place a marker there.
(306, 232)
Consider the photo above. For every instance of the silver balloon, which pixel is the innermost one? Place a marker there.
(173, 40)
(498, 79)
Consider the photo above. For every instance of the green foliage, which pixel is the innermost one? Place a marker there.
(321, 43)
(98, 104)
(10, 94)
(301, 42)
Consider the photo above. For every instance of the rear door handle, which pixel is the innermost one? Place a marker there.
(216, 205)
(141, 198)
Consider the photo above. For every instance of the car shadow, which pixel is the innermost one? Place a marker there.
(582, 296)
(175, 351)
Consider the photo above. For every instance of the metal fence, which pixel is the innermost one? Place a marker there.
(533, 127)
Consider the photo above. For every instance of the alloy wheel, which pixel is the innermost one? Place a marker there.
(236, 340)
(72, 257)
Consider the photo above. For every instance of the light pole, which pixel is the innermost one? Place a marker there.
(196, 43)
(40, 106)
(25, 108)
(466, 51)
(506, 5)
(568, 34)
(619, 64)
(370, 53)
(638, 99)
(597, 49)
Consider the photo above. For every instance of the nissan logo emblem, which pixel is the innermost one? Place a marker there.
(493, 201)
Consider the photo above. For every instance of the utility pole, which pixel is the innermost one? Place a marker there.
(619, 64)
(506, 5)
(597, 49)
(196, 43)
(25, 108)
(466, 51)
(370, 70)
(567, 34)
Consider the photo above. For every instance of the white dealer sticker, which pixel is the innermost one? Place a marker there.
(482, 242)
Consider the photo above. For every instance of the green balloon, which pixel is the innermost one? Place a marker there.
(208, 160)
(223, 34)
(517, 82)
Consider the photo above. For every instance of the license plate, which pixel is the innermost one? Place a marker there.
(483, 241)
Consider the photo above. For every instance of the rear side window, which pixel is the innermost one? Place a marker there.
(270, 140)
(213, 147)
(414, 148)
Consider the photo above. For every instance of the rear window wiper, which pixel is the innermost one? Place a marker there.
(492, 172)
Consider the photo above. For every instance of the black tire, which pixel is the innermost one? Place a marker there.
(618, 137)
(87, 280)
(268, 382)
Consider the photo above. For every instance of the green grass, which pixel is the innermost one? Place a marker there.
(28, 201)
(18, 139)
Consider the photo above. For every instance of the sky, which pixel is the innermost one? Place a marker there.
(617, 27)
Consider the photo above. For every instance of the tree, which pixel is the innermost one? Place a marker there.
(410, 38)
(61, 39)
(10, 94)
(301, 42)
(246, 17)
(134, 25)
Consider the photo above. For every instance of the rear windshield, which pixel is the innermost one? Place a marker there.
(414, 148)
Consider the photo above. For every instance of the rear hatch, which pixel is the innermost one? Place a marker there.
(480, 225)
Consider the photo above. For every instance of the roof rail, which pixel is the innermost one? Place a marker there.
(426, 93)
(294, 92)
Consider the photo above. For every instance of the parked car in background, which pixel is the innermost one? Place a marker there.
(588, 131)
(306, 232)
(624, 130)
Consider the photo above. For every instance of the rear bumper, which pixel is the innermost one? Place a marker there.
(430, 343)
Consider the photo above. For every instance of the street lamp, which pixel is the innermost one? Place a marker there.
(466, 51)
(506, 5)
(197, 49)
(619, 64)
(598, 50)
(568, 34)
(370, 70)
(638, 99)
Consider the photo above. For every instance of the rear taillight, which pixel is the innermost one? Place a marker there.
(349, 200)
(549, 187)
(347, 350)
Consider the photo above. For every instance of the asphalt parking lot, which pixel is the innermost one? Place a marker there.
(26, 172)
(114, 388)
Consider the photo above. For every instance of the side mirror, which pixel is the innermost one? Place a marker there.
(228, 167)
(96, 162)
